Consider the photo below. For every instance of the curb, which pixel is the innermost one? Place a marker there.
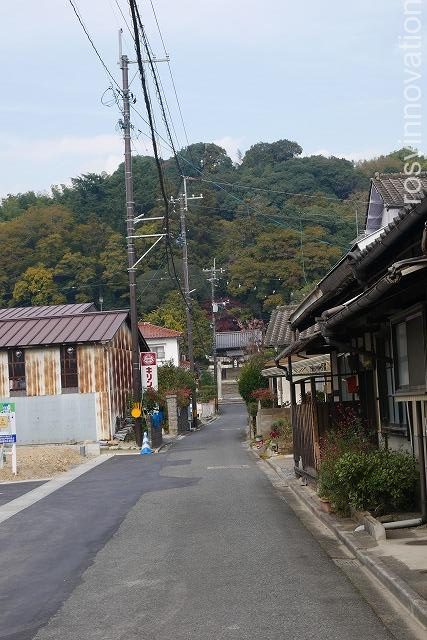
(19, 504)
(410, 599)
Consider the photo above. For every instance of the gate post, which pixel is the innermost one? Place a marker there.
(172, 407)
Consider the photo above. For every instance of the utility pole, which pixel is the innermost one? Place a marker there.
(130, 232)
(183, 208)
(213, 271)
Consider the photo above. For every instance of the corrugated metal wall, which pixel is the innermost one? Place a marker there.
(120, 366)
(4, 375)
(43, 371)
(92, 364)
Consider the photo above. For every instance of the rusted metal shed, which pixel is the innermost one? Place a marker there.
(68, 369)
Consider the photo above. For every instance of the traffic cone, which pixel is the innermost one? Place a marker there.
(145, 449)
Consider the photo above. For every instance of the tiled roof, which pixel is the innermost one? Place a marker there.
(279, 333)
(341, 276)
(392, 187)
(237, 339)
(305, 338)
(48, 311)
(99, 326)
(150, 331)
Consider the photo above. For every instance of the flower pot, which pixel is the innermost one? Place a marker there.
(325, 505)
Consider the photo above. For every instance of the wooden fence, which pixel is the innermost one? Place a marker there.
(310, 422)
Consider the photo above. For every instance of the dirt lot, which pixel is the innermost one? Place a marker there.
(43, 461)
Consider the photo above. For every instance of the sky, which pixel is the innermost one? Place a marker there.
(327, 74)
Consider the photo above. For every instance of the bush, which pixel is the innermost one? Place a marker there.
(251, 378)
(378, 481)
(265, 397)
(206, 379)
(206, 393)
(252, 408)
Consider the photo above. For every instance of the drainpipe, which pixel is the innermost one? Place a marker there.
(422, 465)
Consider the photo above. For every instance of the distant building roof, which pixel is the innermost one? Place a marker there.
(238, 339)
(98, 326)
(150, 331)
(279, 333)
(392, 187)
(47, 311)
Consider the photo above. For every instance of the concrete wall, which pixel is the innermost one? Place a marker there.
(205, 409)
(62, 418)
(265, 418)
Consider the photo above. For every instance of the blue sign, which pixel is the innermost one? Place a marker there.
(7, 438)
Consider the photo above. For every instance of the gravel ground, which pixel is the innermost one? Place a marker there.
(42, 461)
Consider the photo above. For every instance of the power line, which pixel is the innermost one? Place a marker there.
(285, 193)
(79, 18)
(171, 75)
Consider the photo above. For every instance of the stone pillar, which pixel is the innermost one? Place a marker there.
(172, 407)
(219, 380)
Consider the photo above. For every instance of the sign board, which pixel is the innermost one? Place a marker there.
(149, 370)
(8, 428)
(7, 422)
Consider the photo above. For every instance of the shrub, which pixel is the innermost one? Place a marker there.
(253, 408)
(206, 393)
(377, 480)
(264, 396)
(251, 378)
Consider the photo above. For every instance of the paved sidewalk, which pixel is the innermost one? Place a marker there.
(400, 562)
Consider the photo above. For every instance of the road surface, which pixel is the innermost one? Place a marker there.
(192, 544)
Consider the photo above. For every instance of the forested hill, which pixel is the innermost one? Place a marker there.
(275, 221)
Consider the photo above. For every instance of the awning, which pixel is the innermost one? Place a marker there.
(273, 372)
(307, 367)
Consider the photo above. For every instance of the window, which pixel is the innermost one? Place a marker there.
(409, 353)
(392, 413)
(160, 350)
(17, 382)
(69, 377)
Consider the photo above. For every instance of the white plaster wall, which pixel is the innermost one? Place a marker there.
(170, 346)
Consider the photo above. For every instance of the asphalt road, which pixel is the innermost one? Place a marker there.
(10, 491)
(192, 544)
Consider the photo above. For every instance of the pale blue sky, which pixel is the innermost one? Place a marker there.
(325, 73)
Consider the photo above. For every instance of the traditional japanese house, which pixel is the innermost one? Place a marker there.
(369, 314)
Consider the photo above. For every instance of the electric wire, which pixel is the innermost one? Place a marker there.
(80, 19)
(171, 75)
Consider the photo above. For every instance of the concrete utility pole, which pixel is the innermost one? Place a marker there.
(183, 208)
(130, 229)
(213, 271)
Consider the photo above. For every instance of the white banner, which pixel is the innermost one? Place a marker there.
(149, 370)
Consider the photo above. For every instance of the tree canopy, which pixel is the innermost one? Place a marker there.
(275, 221)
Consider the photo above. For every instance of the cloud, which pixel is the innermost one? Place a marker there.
(367, 154)
(36, 164)
(231, 145)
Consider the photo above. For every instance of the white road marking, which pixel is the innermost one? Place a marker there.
(230, 466)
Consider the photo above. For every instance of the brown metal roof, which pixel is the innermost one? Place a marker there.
(98, 326)
(48, 311)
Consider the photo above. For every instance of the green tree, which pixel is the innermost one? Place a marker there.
(251, 378)
(37, 287)
(171, 314)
